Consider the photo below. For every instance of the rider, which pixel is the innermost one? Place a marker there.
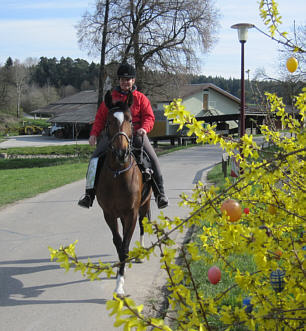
(143, 122)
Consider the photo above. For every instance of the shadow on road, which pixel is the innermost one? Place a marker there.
(12, 288)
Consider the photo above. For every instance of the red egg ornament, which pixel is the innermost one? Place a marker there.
(214, 275)
(246, 210)
(232, 209)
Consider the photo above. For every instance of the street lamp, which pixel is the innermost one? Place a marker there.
(242, 29)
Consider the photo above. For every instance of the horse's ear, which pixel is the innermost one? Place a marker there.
(129, 99)
(108, 99)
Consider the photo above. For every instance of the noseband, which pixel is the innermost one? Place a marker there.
(120, 133)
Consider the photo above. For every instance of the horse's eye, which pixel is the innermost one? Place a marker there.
(128, 118)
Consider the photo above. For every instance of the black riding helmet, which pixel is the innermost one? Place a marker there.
(125, 70)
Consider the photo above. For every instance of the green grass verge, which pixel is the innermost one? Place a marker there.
(37, 162)
(200, 269)
(216, 176)
(77, 149)
(20, 183)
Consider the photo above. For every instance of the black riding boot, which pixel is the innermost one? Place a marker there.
(159, 192)
(88, 199)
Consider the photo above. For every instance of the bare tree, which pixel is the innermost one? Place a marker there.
(164, 36)
(93, 33)
(20, 78)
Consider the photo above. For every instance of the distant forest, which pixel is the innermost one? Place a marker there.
(28, 86)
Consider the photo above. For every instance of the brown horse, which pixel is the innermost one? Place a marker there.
(120, 185)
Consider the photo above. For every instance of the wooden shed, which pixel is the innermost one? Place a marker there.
(73, 115)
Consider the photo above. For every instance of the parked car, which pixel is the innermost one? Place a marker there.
(29, 129)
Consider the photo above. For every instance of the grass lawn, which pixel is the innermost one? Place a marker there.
(200, 269)
(20, 183)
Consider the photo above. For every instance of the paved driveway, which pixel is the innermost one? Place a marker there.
(36, 294)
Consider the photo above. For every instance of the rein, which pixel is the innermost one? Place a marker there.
(117, 173)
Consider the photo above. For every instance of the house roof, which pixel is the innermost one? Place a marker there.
(88, 96)
(79, 114)
(188, 90)
(78, 108)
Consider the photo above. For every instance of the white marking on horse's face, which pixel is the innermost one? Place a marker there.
(120, 117)
(119, 285)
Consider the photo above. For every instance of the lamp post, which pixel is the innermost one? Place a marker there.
(242, 29)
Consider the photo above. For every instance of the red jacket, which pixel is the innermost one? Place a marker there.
(142, 113)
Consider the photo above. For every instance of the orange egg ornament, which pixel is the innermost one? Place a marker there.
(278, 253)
(232, 209)
(292, 64)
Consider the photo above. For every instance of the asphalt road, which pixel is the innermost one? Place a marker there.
(36, 295)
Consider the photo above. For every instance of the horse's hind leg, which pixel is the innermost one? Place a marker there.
(144, 211)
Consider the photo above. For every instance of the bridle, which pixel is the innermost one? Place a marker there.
(120, 133)
(114, 151)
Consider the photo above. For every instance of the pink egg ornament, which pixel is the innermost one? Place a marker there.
(214, 275)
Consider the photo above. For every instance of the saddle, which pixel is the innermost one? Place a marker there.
(144, 163)
(142, 159)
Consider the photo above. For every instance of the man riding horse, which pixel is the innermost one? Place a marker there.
(143, 122)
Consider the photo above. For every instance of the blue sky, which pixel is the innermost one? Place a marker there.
(35, 28)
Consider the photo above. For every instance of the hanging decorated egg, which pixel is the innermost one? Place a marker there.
(292, 64)
(246, 303)
(214, 275)
(232, 209)
(278, 253)
(277, 280)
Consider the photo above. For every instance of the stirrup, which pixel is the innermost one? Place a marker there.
(85, 202)
(162, 201)
(147, 174)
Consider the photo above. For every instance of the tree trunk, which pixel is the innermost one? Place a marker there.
(18, 100)
(102, 73)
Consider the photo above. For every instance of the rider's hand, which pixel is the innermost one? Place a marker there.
(141, 132)
(92, 140)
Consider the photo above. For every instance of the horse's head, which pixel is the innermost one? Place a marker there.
(119, 127)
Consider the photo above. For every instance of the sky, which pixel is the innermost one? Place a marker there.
(35, 28)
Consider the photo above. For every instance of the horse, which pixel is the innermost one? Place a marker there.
(120, 189)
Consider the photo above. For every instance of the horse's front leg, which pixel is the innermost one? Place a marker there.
(128, 224)
(117, 240)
